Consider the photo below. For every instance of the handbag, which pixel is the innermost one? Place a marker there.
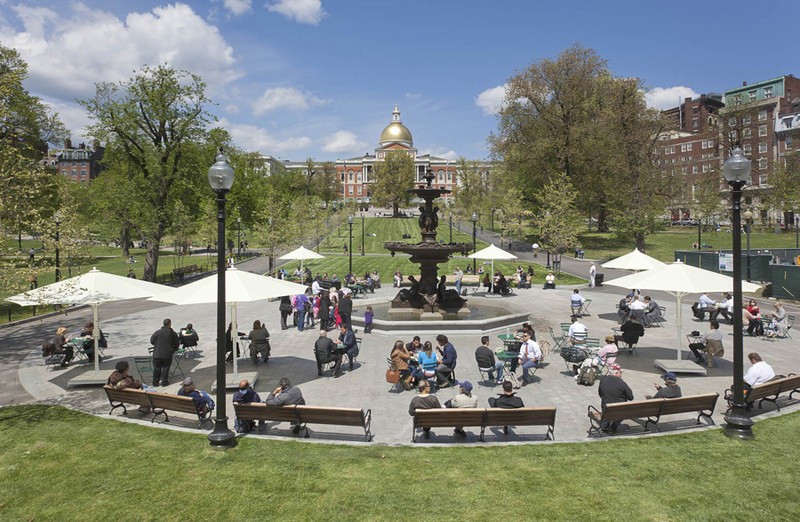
(392, 376)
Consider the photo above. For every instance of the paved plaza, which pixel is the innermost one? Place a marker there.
(130, 324)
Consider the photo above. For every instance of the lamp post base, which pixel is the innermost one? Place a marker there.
(221, 436)
(737, 424)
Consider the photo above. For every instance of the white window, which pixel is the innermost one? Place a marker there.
(684, 170)
(695, 123)
(788, 145)
(746, 120)
(359, 190)
(762, 163)
(762, 130)
(762, 147)
(694, 169)
(672, 149)
(747, 148)
(350, 175)
(358, 177)
(751, 95)
(762, 115)
(350, 189)
(731, 122)
(747, 133)
(762, 179)
(441, 175)
(706, 168)
(688, 147)
(767, 92)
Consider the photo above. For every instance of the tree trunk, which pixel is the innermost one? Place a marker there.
(602, 220)
(125, 237)
(640, 241)
(395, 210)
(151, 260)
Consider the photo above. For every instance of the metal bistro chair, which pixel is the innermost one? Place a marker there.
(175, 367)
(558, 341)
(144, 365)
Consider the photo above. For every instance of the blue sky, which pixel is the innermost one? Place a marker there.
(310, 78)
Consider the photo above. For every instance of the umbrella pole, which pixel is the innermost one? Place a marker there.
(678, 324)
(95, 334)
(235, 339)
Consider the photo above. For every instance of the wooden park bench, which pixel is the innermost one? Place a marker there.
(303, 415)
(483, 418)
(158, 403)
(769, 391)
(652, 410)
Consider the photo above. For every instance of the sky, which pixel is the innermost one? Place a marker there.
(319, 78)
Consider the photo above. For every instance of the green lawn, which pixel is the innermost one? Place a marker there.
(58, 464)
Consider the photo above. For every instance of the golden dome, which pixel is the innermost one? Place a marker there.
(396, 131)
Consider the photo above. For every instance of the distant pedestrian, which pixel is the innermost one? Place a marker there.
(535, 248)
(592, 275)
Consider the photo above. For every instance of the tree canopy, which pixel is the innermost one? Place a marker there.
(393, 177)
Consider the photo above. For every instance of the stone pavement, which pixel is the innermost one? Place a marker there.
(131, 323)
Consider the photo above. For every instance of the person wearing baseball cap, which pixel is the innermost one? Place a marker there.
(464, 399)
(670, 390)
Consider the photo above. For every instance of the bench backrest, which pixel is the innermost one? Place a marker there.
(775, 387)
(260, 411)
(448, 417)
(633, 409)
(690, 404)
(127, 395)
(167, 401)
(521, 416)
(336, 416)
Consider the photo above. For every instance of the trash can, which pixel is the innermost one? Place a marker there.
(598, 279)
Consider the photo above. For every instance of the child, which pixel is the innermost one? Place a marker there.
(368, 320)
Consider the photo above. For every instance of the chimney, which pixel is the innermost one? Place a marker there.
(67, 143)
(744, 84)
(82, 146)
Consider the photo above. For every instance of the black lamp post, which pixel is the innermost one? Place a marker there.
(57, 219)
(699, 233)
(220, 177)
(493, 209)
(269, 261)
(474, 241)
(548, 259)
(748, 219)
(736, 170)
(362, 232)
(350, 250)
(797, 231)
(450, 217)
(239, 237)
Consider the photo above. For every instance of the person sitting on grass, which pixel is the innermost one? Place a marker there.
(424, 401)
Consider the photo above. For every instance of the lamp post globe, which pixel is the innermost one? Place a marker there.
(474, 241)
(220, 177)
(736, 170)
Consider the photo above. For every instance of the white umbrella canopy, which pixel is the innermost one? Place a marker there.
(491, 253)
(240, 287)
(301, 254)
(635, 260)
(680, 279)
(92, 288)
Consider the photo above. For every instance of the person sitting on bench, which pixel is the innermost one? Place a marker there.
(202, 399)
(550, 281)
(507, 400)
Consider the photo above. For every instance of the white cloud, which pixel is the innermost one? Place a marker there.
(72, 115)
(441, 153)
(252, 139)
(238, 7)
(69, 50)
(285, 98)
(302, 11)
(668, 97)
(412, 96)
(343, 141)
(491, 100)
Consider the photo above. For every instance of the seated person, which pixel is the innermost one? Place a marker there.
(424, 401)
(703, 305)
(87, 332)
(245, 394)
(670, 390)
(652, 312)
(464, 399)
(414, 346)
(725, 309)
(259, 342)
(484, 356)
(427, 363)
(286, 394)
(632, 330)
(121, 379)
(700, 348)
(530, 356)
(348, 339)
(759, 371)
(507, 399)
(608, 353)
(401, 358)
(576, 301)
(753, 319)
(60, 345)
(550, 281)
(188, 336)
(612, 389)
(202, 399)
(325, 352)
(487, 281)
(624, 307)
(447, 365)
(577, 331)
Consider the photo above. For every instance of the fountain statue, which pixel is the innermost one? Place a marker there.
(427, 298)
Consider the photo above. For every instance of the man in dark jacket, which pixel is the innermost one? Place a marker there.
(348, 339)
(631, 329)
(245, 395)
(346, 308)
(285, 393)
(613, 389)
(165, 342)
(507, 400)
(325, 352)
(484, 356)
(444, 372)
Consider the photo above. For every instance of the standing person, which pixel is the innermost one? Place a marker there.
(259, 342)
(424, 401)
(530, 356)
(448, 365)
(325, 352)
(592, 275)
(459, 277)
(670, 390)
(464, 399)
(613, 389)
(346, 308)
(300, 301)
(348, 339)
(368, 315)
(165, 342)
(245, 394)
(286, 309)
(285, 393)
(324, 310)
(535, 248)
(484, 356)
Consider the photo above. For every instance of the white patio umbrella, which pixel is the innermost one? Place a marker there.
(92, 288)
(491, 253)
(680, 279)
(635, 261)
(301, 254)
(240, 287)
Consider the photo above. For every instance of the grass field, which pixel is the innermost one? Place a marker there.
(58, 464)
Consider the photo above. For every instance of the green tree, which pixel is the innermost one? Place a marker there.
(558, 217)
(327, 184)
(393, 177)
(152, 117)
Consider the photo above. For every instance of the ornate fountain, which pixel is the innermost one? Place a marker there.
(427, 298)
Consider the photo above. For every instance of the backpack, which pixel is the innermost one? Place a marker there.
(587, 376)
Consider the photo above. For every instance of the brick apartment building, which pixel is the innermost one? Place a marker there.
(77, 164)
